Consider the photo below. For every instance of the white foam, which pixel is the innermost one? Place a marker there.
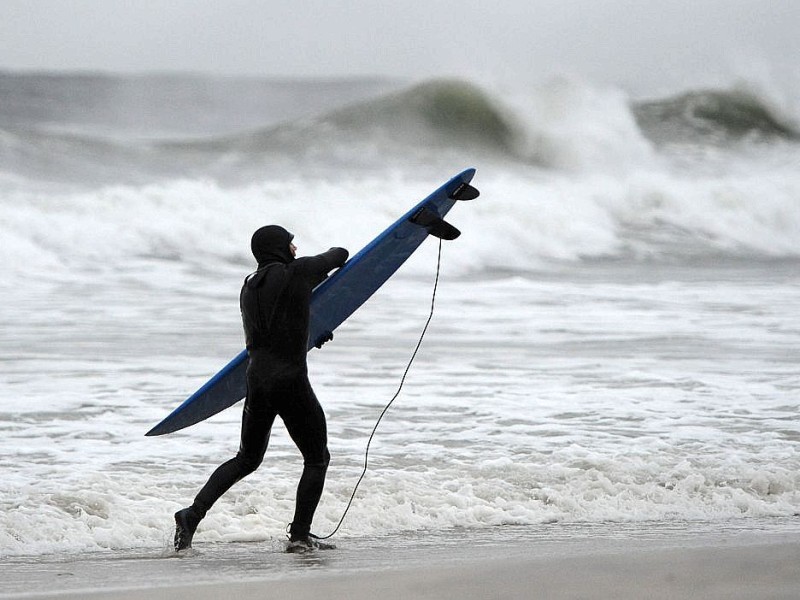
(529, 402)
(521, 219)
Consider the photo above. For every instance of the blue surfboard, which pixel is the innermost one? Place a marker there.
(338, 297)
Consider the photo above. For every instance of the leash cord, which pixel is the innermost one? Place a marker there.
(396, 394)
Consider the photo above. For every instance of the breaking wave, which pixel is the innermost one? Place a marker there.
(714, 116)
(558, 125)
(567, 171)
(438, 112)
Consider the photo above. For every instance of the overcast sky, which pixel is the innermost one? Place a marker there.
(640, 44)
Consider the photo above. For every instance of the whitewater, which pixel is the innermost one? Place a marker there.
(615, 337)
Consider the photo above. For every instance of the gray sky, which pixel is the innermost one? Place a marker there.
(639, 44)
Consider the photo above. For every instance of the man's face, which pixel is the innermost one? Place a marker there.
(292, 249)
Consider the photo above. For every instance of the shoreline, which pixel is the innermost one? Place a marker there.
(551, 564)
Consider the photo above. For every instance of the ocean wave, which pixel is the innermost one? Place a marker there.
(453, 112)
(520, 223)
(43, 155)
(414, 125)
(559, 125)
(714, 116)
(445, 111)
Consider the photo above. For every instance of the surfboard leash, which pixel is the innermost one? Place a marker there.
(396, 394)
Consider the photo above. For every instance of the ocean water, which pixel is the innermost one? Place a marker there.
(616, 334)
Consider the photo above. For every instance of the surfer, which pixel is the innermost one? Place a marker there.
(275, 313)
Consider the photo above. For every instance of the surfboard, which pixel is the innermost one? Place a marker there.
(338, 297)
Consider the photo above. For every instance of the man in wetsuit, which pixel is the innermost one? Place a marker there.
(275, 312)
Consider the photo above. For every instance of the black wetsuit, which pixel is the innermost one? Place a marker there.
(275, 313)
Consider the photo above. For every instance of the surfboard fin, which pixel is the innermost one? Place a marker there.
(465, 192)
(435, 225)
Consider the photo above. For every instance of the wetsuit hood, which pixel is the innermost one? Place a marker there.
(271, 244)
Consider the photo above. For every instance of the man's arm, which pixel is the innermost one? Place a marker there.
(333, 258)
(316, 268)
(319, 267)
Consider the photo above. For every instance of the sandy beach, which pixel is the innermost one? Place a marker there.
(709, 566)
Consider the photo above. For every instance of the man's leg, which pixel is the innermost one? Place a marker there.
(257, 419)
(256, 427)
(305, 422)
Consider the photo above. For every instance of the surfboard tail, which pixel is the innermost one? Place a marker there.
(433, 222)
(465, 192)
(436, 225)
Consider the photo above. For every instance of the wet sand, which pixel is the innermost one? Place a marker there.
(752, 567)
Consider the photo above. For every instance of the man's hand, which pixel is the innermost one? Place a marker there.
(325, 337)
